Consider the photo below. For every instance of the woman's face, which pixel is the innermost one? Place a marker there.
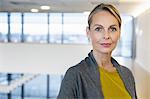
(104, 32)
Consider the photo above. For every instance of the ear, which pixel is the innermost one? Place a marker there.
(119, 33)
(88, 32)
(119, 36)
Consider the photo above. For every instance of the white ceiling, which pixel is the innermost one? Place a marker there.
(125, 6)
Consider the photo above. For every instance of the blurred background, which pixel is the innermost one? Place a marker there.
(41, 39)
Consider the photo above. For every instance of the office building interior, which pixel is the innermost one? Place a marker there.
(41, 39)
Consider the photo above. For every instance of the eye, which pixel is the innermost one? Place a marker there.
(99, 29)
(112, 29)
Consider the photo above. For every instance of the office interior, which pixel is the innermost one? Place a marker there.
(38, 45)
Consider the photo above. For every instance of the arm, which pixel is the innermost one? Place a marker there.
(134, 86)
(131, 83)
(68, 85)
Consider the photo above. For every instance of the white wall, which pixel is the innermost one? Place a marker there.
(142, 61)
(40, 58)
(142, 28)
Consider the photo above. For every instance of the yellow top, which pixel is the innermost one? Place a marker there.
(112, 85)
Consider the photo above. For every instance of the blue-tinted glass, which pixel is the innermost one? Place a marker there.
(3, 79)
(3, 96)
(55, 27)
(55, 82)
(35, 27)
(3, 27)
(17, 91)
(127, 33)
(124, 47)
(36, 87)
(74, 28)
(15, 27)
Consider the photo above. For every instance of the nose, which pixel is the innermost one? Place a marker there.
(106, 35)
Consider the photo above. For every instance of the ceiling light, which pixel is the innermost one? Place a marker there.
(34, 10)
(86, 12)
(45, 7)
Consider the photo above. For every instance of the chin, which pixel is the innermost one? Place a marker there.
(105, 51)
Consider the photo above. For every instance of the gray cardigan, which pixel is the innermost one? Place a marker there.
(83, 80)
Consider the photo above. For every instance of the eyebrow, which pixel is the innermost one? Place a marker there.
(103, 26)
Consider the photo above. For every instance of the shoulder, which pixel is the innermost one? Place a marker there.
(79, 70)
(80, 67)
(122, 69)
(69, 84)
(126, 71)
(72, 74)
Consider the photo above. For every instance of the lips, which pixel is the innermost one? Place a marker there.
(106, 44)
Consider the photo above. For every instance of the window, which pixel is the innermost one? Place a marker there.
(54, 85)
(127, 35)
(124, 47)
(55, 27)
(35, 27)
(65, 28)
(4, 24)
(74, 28)
(15, 27)
(36, 87)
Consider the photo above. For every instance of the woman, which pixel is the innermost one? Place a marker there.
(99, 76)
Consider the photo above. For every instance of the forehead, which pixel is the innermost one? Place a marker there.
(104, 18)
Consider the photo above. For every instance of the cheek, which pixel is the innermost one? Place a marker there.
(95, 37)
(115, 38)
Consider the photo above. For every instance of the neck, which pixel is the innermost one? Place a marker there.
(103, 59)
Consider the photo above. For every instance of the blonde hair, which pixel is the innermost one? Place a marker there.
(105, 7)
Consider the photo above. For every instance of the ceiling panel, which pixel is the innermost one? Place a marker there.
(124, 6)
